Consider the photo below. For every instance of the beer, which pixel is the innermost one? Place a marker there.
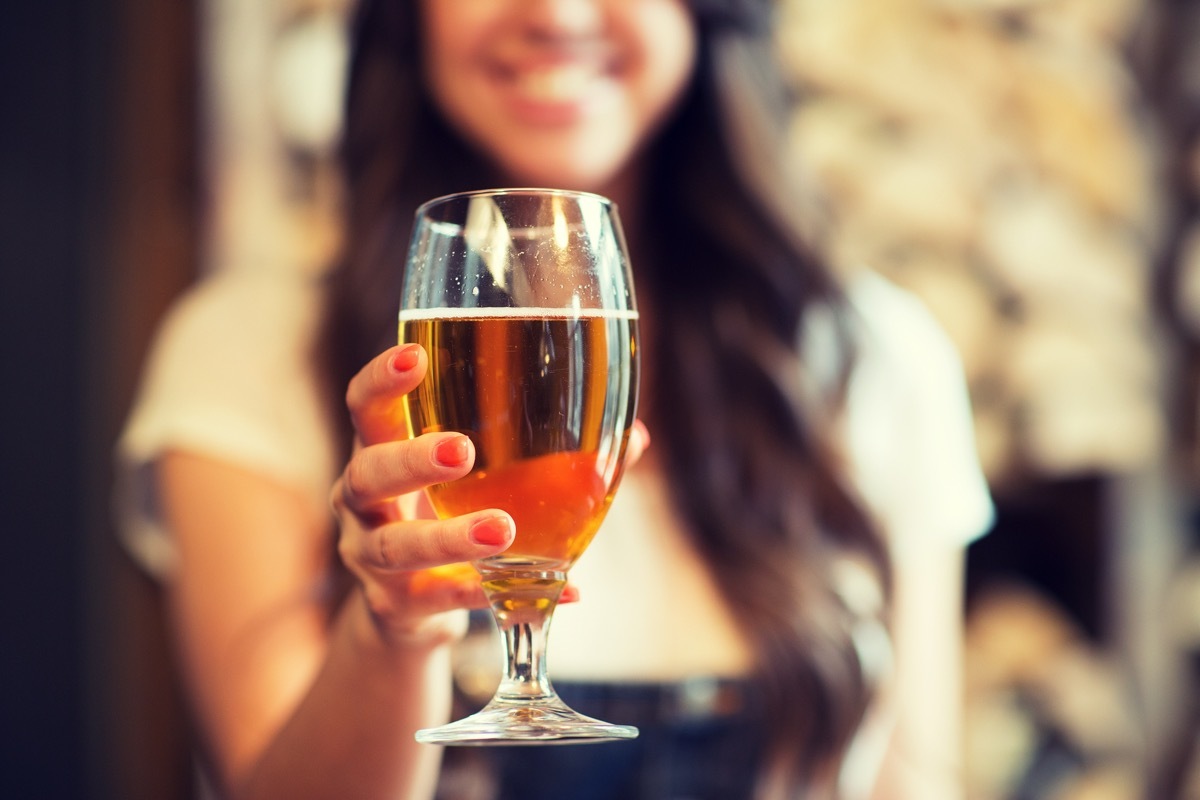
(546, 397)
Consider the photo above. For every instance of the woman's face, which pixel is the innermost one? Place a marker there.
(558, 93)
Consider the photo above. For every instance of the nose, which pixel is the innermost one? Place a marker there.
(563, 17)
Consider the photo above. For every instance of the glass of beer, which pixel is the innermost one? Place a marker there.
(524, 301)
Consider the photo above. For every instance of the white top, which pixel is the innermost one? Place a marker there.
(909, 430)
(231, 376)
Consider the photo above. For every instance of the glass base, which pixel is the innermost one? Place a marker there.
(525, 722)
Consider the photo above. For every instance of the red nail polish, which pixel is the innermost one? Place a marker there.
(491, 531)
(407, 358)
(452, 452)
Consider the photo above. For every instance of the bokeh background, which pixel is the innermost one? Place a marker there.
(1030, 168)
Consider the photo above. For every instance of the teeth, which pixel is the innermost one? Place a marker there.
(563, 82)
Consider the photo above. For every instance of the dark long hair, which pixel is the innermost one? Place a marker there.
(750, 465)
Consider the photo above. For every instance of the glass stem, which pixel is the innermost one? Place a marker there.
(523, 607)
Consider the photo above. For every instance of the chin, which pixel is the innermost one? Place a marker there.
(579, 169)
(570, 178)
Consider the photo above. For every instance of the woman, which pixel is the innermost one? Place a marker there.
(811, 479)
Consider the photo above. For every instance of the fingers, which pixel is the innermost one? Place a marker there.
(406, 599)
(374, 395)
(377, 474)
(639, 440)
(411, 545)
(427, 607)
(414, 574)
(414, 570)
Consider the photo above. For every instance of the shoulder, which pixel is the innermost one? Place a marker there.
(233, 333)
(894, 329)
(909, 428)
(237, 344)
(246, 302)
(231, 376)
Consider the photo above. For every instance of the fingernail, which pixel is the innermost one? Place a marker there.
(570, 594)
(452, 452)
(492, 531)
(407, 358)
(641, 434)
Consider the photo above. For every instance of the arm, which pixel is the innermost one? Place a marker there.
(912, 444)
(292, 704)
(923, 702)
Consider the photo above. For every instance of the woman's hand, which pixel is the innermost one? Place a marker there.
(413, 568)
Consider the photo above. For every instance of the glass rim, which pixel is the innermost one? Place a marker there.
(527, 191)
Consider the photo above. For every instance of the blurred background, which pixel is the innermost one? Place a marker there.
(1030, 168)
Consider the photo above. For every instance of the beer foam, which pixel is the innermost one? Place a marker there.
(415, 314)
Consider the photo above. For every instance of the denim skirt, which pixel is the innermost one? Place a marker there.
(700, 739)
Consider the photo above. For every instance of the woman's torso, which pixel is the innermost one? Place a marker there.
(649, 608)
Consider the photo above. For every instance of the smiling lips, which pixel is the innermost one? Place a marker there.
(558, 92)
(558, 83)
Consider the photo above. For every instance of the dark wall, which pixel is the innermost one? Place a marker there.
(97, 210)
(48, 79)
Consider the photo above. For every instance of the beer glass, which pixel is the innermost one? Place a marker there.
(524, 301)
